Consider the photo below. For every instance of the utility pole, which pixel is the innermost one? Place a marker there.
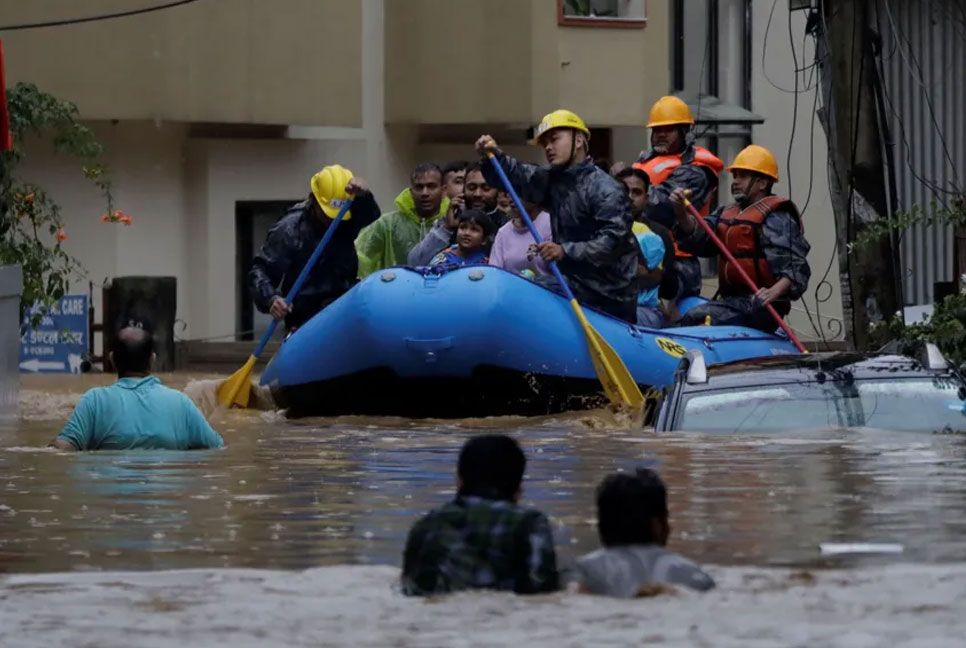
(867, 273)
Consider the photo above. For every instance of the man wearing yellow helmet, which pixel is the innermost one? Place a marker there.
(763, 232)
(291, 241)
(590, 214)
(674, 162)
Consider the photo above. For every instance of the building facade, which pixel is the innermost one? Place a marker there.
(215, 114)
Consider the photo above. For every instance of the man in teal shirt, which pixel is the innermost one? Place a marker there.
(137, 411)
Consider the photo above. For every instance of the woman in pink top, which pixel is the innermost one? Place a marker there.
(514, 248)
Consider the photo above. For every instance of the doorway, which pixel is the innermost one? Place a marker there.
(253, 219)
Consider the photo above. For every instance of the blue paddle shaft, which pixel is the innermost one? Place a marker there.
(526, 219)
(297, 286)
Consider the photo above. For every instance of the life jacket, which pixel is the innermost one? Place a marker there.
(740, 231)
(660, 167)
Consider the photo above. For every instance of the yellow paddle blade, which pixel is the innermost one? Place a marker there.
(237, 389)
(617, 381)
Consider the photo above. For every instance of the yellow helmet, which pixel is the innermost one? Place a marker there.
(328, 187)
(560, 119)
(668, 111)
(758, 159)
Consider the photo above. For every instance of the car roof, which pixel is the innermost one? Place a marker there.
(806, 367)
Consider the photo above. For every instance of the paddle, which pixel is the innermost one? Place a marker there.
(744, 275)
(236, 390)
(617, 381)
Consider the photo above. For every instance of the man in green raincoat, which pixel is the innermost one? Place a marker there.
(387, 241)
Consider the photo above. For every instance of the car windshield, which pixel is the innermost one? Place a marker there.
(895, 404)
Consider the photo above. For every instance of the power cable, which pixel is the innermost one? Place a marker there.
(86, 19)
(764, 50)
(791, 139)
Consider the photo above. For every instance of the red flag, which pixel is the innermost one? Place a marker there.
(6, 139)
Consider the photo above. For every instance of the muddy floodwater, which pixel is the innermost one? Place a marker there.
(295, 495)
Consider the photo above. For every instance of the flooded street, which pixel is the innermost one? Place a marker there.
(295, 495)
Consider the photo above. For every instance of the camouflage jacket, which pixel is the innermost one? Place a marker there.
(477, 543)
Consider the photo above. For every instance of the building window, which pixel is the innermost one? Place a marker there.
(602, 13)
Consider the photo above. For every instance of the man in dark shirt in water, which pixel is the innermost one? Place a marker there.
(482, 539)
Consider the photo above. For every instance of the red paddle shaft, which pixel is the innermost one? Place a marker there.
(744, 275)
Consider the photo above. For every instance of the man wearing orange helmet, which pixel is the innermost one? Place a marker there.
(674, 162)
(590, 214)
(291, 241)
(763, 232)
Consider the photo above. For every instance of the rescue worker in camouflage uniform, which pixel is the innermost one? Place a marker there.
(763, 232)
(291, 241)
(674, 162)
(590, 214)
(482, 539)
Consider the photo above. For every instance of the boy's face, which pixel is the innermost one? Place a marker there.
(469, 236)
(637, 193)
(558, 145)
(453, 183)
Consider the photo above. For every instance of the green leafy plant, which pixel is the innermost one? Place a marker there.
(31, 227)
(946, 327)
(953, 214)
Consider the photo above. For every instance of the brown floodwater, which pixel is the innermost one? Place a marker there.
(296, 494)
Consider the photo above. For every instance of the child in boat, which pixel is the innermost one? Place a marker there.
(482, 539)
(632, 522)
(650, 273)
(473, 232)
(514, 248)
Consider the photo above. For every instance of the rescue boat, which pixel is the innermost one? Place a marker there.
(476, 341)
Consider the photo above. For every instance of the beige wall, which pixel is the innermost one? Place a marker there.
(610, 77)
(243, 61)
(146, 163)
(508, 62)
(809, 156)
(457, 62)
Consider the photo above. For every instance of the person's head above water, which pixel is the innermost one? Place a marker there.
(133, 353)
(491, 466)
(632, 509)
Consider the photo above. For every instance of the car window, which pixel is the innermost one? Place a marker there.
(895, 404)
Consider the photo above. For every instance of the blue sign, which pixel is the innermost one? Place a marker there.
(59, 343)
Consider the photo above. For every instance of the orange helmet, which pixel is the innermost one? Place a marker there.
(668, 111)
(758, 159)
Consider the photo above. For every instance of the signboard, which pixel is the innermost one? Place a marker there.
(59, 342)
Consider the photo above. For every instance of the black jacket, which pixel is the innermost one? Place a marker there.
(290, 243)
(590, 216)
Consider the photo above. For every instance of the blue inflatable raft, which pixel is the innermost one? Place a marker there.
(478, 341)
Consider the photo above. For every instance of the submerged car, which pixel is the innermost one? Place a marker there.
(814, 390)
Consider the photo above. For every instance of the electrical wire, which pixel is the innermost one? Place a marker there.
(86, 19)
(824, 282)
(791, 139)
(764, 50)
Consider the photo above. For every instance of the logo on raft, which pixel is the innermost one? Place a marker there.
(670, 347)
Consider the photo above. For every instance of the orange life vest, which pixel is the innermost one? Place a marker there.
(659, 167)
(740, 231)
